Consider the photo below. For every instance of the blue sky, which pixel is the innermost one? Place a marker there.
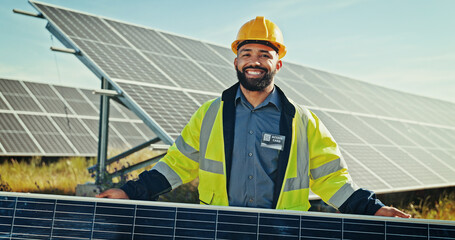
(408, 45)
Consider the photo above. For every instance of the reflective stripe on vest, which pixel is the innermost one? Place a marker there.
(186, 149)
(302, 180)
(206, 128)
(328, 168)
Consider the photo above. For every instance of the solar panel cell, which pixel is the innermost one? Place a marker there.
(225, 52)
(123, 63)
(18, 139)
(414, 132)
(77, 134)
(341, 134)
(225, 75)
(171, 109)
(413, 166)
(22, 102)
(432, 162)
(186, 74)
(320, 227)
(292, 93)
(196, 50)
(361, 175)
(315, 96)
(441, 231)
(444, 137)
(388, 131)
(2, 103)
(360, 128)
(384, 168)
(145, 39)
(129, 132)
(278, 226)
(82, 25)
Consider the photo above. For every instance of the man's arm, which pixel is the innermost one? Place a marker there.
(364, 201)
(149, 186)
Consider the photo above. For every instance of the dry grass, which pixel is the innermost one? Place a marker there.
(428, 208)
(37, 176)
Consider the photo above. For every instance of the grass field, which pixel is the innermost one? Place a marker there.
(62, 176)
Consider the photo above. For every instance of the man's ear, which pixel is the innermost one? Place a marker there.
(279, 64)
(235, 63)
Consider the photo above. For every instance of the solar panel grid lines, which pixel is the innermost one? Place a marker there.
(49, 134)
(76, 101)
(441, 136)
(44, 126)
(387, 169)
(153, 101)
(194, 49)
(357, 170)
(37, 215)
(143, 55)
(17, 96)
(413, 165)
(429, 166)
(292, 93)
(365, 157)
(333, 87)
(187, 51)
(308, 92)
(227, 56)
(223, 51)
(187, 73)
(141, 37)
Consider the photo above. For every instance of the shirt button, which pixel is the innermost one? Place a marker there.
(250, 154)
(251, 200)
(250, 177)
(251, 132)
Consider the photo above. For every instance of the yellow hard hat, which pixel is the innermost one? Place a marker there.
(260, 30)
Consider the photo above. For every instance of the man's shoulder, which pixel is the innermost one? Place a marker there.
(300, 109)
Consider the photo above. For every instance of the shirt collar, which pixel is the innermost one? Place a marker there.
(273, 99)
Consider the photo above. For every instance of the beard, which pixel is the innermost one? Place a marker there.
(253, 84)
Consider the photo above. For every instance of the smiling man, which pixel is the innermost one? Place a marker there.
(253, 147)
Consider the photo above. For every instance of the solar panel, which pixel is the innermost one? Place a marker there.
(49, 120)
(165, 77)
(39, 216)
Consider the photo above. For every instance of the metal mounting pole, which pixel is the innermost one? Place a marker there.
(103, 133)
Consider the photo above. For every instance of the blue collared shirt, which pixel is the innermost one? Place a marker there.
(254, 167)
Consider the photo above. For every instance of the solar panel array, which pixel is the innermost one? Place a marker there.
(391, 140)
(40, 119)
(33, 216)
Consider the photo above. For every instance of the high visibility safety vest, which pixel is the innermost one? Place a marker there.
(310, 158)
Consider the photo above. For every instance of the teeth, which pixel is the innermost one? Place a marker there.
(254, 72)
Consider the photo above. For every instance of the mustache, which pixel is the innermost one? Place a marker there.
(254, 67)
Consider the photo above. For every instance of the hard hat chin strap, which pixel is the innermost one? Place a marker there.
(266, 43)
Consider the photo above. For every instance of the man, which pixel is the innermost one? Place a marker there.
(253, 147)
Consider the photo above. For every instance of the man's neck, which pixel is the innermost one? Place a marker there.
(256, 97)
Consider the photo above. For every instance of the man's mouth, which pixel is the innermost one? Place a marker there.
(254, 72)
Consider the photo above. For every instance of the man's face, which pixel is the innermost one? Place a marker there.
(256, 65)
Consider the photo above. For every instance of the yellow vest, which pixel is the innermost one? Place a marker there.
(314, 160)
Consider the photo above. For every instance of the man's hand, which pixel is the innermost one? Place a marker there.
(113, 193)
(391, 212)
